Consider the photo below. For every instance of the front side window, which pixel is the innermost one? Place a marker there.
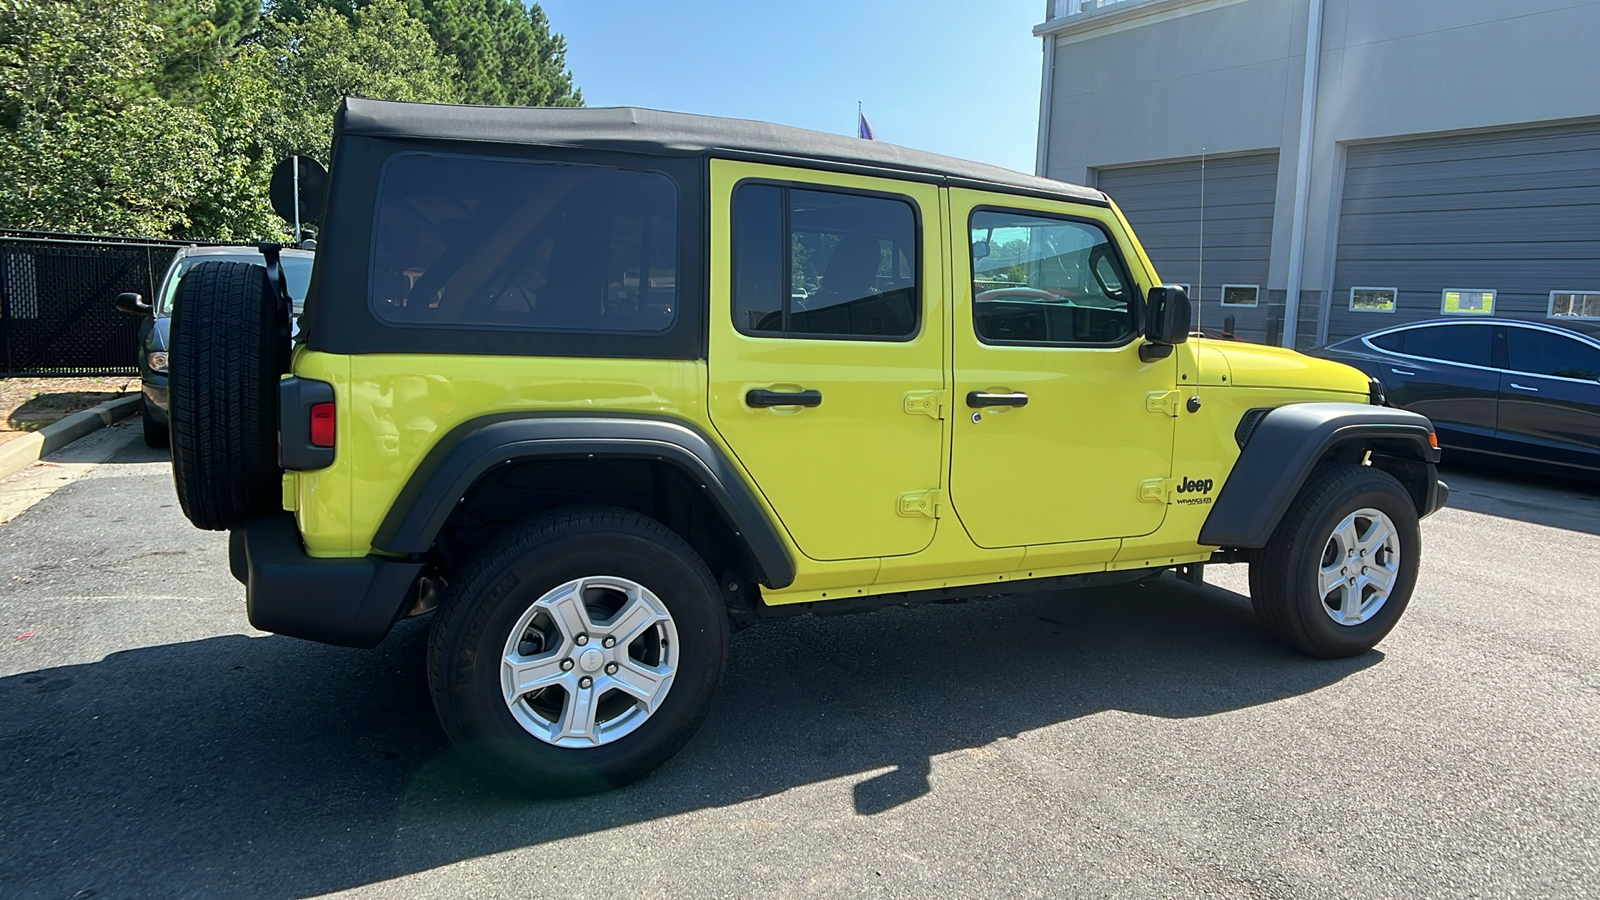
(819, 264)
(491, 243)
(1470, 344)
(1037, 280)
(1542, 353)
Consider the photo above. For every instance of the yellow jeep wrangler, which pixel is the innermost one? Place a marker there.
(599, 386)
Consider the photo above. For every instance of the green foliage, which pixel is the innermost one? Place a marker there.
(164, 117)
(83, 148)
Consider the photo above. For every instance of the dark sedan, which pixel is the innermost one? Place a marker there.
(1502, 389)
(153, 333)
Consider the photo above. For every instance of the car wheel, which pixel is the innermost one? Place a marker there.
(578, 651)
(155, 433)
(1339, 570)
(227, 354)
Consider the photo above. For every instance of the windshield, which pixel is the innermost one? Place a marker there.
(296, 270)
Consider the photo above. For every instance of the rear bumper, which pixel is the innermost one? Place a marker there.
(349, 602)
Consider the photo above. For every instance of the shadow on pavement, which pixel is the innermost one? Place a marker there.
(274, 768)
(1554, 501)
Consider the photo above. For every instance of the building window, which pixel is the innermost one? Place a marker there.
(1240, 294)
(1575, 304)
(1373, 299)
(1467, 303)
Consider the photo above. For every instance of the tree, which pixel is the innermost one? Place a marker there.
(82, 146)
(197, 36)
(379, 51)
(506, 53)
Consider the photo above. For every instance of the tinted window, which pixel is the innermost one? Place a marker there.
(819, 264)
(464, 241)
(1543, 353)
(296, 274)
(1451, 343)
(1394, 341)
(1040, 280)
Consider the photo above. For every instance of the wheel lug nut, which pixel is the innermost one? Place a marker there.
(581, 640)
(585, 682)
(611, 668)
(608, 643)
(566, 665)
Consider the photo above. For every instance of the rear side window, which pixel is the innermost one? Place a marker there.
(1394, 341)
(1039, 280)
(509, 244)
(819, 264)
(1542, 353)
(1468, 344)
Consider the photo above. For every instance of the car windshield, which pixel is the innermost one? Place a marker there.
(296, 270)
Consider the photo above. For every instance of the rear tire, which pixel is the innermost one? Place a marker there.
(1339, 570)
(226, 357)
(155, 433)
(552, 603)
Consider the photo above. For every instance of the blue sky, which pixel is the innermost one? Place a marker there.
(960, 78)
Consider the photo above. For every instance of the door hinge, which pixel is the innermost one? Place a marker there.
(1155, 490)
(925, 403)
(922, 503)
(1162, 402)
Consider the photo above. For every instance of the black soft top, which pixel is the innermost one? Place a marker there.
(649, 131)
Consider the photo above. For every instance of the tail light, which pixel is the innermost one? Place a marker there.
(323, 425)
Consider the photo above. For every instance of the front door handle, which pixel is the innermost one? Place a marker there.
(760, 399)
(1402, 372)
(982, 399)
(1518, 387)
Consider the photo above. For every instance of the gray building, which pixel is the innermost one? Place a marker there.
(1436, 157)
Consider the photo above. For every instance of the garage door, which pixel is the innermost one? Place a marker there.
(1514, 212)
(1162, 201)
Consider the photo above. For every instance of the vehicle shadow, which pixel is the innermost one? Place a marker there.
(45, 409)
(1554, 501)
(274, 768)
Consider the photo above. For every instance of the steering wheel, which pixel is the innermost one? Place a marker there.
(1021, 293)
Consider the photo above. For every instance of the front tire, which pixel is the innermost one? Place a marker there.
(1339, 570)
(578, 651)
(155, 433)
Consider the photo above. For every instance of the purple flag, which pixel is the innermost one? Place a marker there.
(863, 130)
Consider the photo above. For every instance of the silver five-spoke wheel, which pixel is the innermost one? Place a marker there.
(1360, 565)
(589, 661)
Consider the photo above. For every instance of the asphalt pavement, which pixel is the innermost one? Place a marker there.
(1132, 742)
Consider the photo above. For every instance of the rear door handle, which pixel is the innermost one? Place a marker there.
(1518, 387)
(760, 399)
(982, 399)
(1402, 372)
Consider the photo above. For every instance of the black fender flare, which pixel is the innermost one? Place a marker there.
(471, 449)
(1289, 441)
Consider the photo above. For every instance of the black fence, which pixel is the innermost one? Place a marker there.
(56, 292)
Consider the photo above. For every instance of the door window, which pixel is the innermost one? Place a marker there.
(1038, 280)
(1542, 353)
(1468, 344)
(820, 264)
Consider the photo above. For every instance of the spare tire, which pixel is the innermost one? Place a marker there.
(227, 354)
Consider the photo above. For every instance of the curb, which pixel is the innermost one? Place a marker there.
(25, 451)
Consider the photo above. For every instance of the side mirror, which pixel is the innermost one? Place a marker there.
(298, 190)
(1166, 322)
(980, 250)
(132, 304)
